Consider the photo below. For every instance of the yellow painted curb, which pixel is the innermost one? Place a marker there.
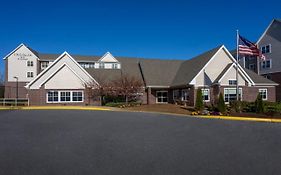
(58, 108)
(243, 118)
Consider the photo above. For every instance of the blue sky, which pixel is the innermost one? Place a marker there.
(142, 28)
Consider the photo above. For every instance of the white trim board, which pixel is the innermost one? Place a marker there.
(55, 62)
(21, 45)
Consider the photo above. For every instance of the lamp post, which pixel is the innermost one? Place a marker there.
(17, 90)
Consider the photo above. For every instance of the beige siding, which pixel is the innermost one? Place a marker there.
(64, 79)
(275, 54)
(213, 69)
(17, 65)
(231, 74)
(56, 66)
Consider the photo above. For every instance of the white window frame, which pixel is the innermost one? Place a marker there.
(208, 94)
(162, 97)
(47, 97)
(114, 65)
(71, 96)
(101, 65)
(44, 62)
(30, 63)
(184, 94)
(240, 89)
(174, 92)
(31, 73)
(264, 46)
(232, 80)
(264, 63)
(260, 91)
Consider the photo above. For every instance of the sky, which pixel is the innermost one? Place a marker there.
(141, 28)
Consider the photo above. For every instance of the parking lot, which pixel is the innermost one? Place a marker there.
(105, 142)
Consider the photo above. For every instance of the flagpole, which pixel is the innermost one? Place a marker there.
(237, 58)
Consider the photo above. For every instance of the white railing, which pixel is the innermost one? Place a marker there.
(14, 102)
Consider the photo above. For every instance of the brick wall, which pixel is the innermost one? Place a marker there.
(276, 77)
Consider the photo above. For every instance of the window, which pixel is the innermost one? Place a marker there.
(176, 94)
(29, 63)
(252, 66)
(232, 82)
(52, 96)
(268, 76)
(101, 66)
(263, 93)
(44, 65)
(184, 95)
(206, 94)
(77, 96)
(92, 65)
(65, 96)
(29, 75)
(266, 64)
(266, 48)
(114, 66)
(230, 94)
(161, 96)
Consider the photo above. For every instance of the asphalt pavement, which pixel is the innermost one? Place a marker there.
(62, 142)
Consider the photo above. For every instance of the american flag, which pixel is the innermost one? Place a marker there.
(246, 47)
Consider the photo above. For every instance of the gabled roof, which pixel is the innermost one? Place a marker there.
(259, 79)
(190, 68)
(223, 73)
(273, 30)
(129, 67)
(159, 72)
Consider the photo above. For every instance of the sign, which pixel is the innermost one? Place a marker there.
(22, 56)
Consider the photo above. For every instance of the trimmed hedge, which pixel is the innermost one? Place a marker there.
(122, 104)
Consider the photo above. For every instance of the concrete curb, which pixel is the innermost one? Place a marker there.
(58, 108)
(271, 120)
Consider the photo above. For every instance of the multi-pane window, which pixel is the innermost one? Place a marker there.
(232, 82)
(206, 94)
(263, 93)
(44, 65)
(87, 65)
(53, 96)
(185, 95)
(266, 49)
(101, 65)
(77, 96)
(230, 94)
(29, 63)
(162, 96)
(114, 66)
(65, 96)
(266, 64)
(176, 94)
(29, 75)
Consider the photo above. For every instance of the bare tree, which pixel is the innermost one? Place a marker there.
(2, 79)
(127, 86)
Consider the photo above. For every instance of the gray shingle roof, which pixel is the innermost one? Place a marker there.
(154, 72)
(159, 72)
(190, 68)
(274, 30)
(258, 79)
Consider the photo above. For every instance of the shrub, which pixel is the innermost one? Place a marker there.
(199, 100)
(221, 104)
(259, 104)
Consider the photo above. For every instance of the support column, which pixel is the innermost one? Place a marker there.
(148, 95)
